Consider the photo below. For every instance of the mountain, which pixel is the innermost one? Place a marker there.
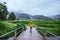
(27, 16)
(17, 16)
(22, 15)
(41, 17)
(56, 17)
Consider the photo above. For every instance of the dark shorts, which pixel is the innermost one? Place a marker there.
(30, 27)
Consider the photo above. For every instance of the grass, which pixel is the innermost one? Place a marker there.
(51, 25)
(8, 27)
(52, 30)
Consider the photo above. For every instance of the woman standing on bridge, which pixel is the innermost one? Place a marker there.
(31, 26)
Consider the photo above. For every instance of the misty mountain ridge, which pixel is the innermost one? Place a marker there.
(56, 17)
(22, 15)
(28, 16)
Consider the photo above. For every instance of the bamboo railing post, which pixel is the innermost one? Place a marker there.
(44, 34)
(37, 28)
(15, 34)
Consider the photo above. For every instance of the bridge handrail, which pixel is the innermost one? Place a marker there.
(52, 34)
(46, 31)
(10, 32)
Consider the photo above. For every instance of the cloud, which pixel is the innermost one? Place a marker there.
(34, 7)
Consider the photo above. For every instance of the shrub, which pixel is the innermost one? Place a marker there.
(2, 25)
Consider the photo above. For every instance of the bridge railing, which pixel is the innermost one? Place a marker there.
(44, 33)
(15, 32)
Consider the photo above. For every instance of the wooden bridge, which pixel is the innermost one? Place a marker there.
(26, 35)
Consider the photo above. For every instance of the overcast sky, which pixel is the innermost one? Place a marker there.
(34, 7)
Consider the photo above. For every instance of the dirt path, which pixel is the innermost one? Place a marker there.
(26, 35)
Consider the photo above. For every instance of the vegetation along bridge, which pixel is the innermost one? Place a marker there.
(26, 35)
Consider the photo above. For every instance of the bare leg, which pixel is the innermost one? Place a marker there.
(31, 29)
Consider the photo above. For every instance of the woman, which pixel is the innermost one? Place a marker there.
(30, 26)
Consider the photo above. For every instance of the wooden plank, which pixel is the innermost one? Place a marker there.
(26, 35)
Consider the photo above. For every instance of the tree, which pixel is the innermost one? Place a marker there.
(3, 12)
(12, 16)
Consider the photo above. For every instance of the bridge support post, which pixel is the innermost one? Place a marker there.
(37, 28)
(44, 34)
(15, 34)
